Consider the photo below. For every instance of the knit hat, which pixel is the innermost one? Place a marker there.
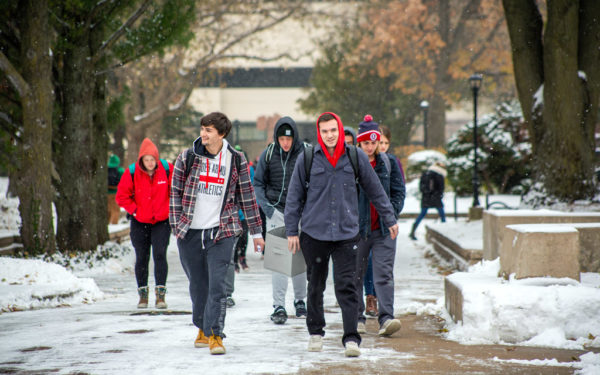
(114, 161)
(285, 130)
(368, 130)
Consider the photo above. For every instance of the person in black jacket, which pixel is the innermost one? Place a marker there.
(273, 173)
(432, 191)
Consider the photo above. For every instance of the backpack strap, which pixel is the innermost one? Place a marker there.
(386, 160)
(353, 156)
(189, 163)
(164, 163)
(269, 152)
(309, 152)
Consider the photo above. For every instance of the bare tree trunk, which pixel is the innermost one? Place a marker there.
(34, 185)
(562, 125)
(77, 200)
(100, 144)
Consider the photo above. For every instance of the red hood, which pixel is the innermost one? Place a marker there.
(340, 148)
(148, 148)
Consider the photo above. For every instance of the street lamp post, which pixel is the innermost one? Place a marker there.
(424, 106)
(475, 81)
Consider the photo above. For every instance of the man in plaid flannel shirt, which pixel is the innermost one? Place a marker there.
(203, 214)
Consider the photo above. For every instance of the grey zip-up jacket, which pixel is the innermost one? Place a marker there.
(329, 209)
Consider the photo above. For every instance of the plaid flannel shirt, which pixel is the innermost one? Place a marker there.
(239, 194)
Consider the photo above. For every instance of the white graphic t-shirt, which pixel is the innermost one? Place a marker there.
(214, 174)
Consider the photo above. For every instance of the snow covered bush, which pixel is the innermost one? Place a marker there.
(503, 153)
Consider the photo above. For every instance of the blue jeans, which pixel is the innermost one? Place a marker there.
(440, 211)
(368, 284)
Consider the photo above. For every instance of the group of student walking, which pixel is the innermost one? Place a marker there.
(336, 201)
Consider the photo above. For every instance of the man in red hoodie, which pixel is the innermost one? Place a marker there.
(144, 193)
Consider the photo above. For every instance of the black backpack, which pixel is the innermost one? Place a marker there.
(189, 162)
(427, 183)
(113, 177)
(309, 152)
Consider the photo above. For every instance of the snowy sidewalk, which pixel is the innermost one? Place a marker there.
(111, 336)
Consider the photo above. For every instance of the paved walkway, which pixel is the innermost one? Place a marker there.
(112, 337)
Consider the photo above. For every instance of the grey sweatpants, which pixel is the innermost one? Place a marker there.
(383, 250)
(279, 281)
(205, 263)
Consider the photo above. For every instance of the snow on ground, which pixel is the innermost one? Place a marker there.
(540, 311)
(98, 329)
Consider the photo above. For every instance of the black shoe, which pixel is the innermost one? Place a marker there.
(279, 316)
(300, 309)
(230, 302)
(412, 237)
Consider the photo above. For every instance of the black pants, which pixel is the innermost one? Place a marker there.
(242, 243)
(343, 254)
(143, 236)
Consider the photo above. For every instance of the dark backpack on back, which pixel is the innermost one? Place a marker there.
(427, 183)
(113, 177)
(309, 152)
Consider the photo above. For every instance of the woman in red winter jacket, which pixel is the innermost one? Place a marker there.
(144, 193)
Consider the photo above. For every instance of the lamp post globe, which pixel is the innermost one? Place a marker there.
(475, 82)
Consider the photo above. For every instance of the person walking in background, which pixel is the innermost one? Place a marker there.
(274, 171)
(432, 187)
(210, 183)
(323, 195)
(144, 193)
(349, 136)
(375, 246)
(115, 171)
(384, 146)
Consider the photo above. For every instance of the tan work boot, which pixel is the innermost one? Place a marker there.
(143, 293)
(201, 340)
(215, 343)
(160, 291)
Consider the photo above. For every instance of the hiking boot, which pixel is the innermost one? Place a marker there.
(160, 292)
(412, 233)
(352, 349)
(315, 343)
(300, 309)
(229, 302)
(201, 340)
(215, 343)
(371, 308)
(389, 327)
(279, 316)
(143, 293)
(243, 263)
(361, 327)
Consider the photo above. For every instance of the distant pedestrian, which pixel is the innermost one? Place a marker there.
(432, 187)
(115, 171)
(273, 174)
(144, 193)
(375, 246)
(384, 146)
(210, 183)
(350, 136)
(326, 201)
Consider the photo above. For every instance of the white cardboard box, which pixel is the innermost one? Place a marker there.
(277, 256)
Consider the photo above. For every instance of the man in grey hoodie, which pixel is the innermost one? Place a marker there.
(271, 180)
(328, 207)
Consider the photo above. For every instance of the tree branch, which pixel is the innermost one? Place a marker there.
(120, 32)
(13, 76)
(8, 124)
(488, 39)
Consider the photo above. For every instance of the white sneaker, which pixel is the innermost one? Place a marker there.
(390, 327)
(315, 343)
(352, 349)
(361, 327)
